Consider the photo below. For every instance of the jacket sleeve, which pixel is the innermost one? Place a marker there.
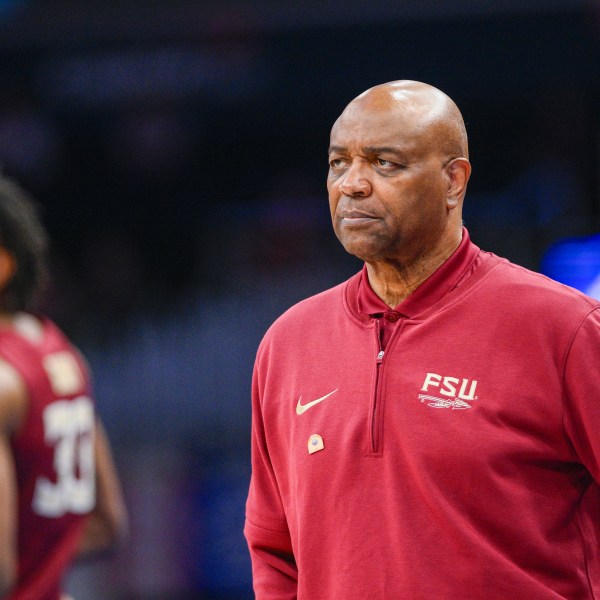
(582, 394)
(274, 571)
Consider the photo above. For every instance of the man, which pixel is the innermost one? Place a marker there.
(429, 428)
(59, 493)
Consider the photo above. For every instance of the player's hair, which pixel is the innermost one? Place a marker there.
(22, 235)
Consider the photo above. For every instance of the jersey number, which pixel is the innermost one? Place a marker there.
(69, 427)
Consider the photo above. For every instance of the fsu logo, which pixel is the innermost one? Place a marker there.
(456, 392)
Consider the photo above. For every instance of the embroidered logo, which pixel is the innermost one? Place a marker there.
(458, 393)
(300, 408)
(315, 443)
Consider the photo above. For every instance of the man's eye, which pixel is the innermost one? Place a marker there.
(336, 163)
(382, 162)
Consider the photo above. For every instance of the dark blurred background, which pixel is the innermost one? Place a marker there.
(179, 152)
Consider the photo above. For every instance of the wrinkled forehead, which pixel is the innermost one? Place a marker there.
(396, 116)
(375, 124)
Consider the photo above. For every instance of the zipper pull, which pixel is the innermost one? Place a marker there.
(378, 334)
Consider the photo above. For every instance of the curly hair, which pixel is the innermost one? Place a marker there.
(23, 235)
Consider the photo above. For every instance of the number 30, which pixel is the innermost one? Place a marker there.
(69, 427)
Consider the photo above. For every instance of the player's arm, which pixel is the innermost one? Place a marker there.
(107, 524)
(8, 517)
(274, 570)
(13, 404)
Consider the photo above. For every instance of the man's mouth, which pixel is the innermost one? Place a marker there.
(356, 217)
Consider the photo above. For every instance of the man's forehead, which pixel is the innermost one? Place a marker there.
(408, 116)
(380, 128)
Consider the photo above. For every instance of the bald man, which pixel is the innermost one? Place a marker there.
(430, 427)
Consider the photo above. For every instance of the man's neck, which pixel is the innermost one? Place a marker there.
(394, 281)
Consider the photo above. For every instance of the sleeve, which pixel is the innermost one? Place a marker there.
(582, 393)
(274, 571)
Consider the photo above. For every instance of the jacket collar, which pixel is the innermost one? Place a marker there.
(366, 303)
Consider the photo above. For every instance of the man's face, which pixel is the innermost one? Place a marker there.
(387, 184)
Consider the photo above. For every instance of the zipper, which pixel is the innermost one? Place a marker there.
(374, 418)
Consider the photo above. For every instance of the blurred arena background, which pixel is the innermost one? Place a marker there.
(179, 151)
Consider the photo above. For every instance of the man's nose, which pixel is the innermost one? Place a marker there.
(355, 181)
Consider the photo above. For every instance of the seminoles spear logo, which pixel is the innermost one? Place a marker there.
(456, 392)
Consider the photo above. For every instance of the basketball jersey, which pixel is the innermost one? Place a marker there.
(54, 458)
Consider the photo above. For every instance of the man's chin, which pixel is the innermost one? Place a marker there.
(364, 252)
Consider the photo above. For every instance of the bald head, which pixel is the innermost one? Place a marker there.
(432, 115)
(398, 173)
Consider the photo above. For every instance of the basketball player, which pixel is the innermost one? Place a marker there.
(59, 493)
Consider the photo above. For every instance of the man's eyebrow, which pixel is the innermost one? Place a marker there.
(338, 149)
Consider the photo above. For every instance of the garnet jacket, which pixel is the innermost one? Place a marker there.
(463, 463)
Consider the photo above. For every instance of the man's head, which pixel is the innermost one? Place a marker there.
(23, 249)
(398, 170)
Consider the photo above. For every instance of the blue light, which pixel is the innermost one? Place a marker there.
(575, 262)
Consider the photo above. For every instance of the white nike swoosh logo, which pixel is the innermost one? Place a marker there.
(300, 408)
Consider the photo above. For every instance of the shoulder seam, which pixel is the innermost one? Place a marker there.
(563, 369)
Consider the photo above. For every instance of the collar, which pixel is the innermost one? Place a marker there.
(446, 277)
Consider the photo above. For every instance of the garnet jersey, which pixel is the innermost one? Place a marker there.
(54, 458)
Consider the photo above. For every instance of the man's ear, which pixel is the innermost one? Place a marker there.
(8, 267)
(458, 171)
